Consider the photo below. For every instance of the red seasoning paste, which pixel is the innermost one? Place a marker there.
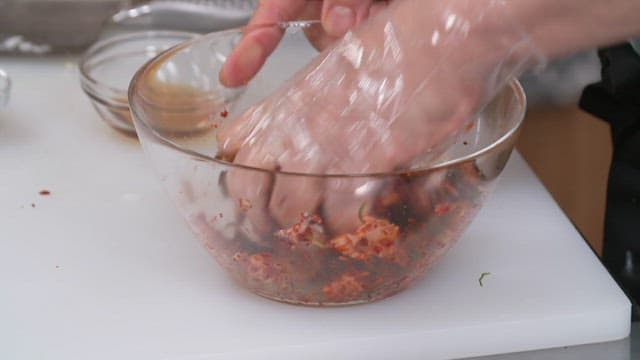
(412, 223)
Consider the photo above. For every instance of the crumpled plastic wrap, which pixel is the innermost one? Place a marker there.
(392, 95)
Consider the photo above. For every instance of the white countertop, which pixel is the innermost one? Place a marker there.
(103, 268)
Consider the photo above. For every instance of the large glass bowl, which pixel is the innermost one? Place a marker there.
(177, 105)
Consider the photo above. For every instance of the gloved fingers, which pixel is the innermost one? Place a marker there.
(345, 201)
(294, 195)
(232, 134)
(317, 35)
(250, 190)
(377, 7)
(339, 16)
(257, 44)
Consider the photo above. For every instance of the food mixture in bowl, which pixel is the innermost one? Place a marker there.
(402, 221)
(414, 219)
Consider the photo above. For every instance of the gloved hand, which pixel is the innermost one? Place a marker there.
(338, 16)
(393, 93)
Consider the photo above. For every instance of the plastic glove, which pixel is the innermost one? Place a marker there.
(393, 94)
(338, 16)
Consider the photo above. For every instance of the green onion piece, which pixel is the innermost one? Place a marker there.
(361, 211)
(482, 277)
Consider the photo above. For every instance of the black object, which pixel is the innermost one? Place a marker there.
(616, 99)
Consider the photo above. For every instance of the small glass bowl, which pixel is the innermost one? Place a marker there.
(410, 219)
(5, 88)
(108, 66)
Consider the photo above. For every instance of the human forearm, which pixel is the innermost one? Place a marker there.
(562, 27)
(554, 27)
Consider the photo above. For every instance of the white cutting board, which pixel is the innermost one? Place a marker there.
(104, 268)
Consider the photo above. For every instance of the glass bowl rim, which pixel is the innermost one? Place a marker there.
(514, 85)
(5, 87)
(111, 95)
